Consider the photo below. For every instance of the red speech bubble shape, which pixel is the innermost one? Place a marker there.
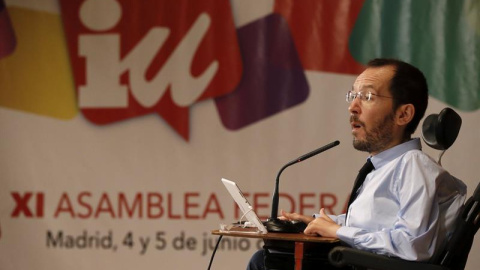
(132, 58)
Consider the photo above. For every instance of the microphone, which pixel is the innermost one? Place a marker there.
(273, 223)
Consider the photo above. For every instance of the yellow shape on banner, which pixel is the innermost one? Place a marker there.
(37, 77)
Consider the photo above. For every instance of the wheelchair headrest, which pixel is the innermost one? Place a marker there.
(441, 130)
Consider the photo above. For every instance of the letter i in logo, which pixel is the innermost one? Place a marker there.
(102, 89)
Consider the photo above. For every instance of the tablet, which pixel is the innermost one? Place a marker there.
(244, 205)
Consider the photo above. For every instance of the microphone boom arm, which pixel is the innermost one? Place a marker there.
(276, 192)
(275, 197)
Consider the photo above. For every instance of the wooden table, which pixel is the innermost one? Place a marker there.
(300, 241)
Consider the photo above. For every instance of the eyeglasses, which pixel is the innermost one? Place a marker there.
(351, 95)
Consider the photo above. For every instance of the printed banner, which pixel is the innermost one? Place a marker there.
(120, 117)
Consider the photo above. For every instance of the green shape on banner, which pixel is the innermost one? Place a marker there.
(441, 37)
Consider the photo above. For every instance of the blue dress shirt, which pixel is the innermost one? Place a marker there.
(406, 206)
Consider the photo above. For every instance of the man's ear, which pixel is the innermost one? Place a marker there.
(404, 114)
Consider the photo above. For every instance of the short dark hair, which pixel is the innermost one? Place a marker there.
(408, 86)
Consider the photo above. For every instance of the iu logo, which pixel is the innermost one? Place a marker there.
(131, 58)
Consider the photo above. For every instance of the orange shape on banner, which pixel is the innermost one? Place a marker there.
(321, 31)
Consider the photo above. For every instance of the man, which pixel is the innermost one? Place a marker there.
(407, 203)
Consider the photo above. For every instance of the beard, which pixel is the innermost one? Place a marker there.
(378, 137)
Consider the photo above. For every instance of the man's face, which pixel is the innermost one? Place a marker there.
(372, 122)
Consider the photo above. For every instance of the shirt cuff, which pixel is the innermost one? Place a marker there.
(346, 234)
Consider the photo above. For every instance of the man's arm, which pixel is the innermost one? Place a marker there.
(415, 225)
(424, 194)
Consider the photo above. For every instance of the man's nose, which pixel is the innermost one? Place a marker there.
(354, 107)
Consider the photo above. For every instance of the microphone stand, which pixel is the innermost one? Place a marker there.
(275, 198)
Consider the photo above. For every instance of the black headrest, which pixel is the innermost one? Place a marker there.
(441, 130)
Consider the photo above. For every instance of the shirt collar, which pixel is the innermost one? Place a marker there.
(390, 154)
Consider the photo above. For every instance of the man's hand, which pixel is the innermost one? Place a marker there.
(295, 216)
(323, 225)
